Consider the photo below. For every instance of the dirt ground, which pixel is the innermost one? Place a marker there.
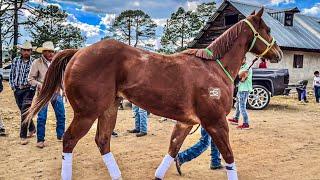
(284, 143)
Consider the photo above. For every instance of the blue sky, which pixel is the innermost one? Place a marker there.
(93, 17)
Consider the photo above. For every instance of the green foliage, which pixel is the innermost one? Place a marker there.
(49, 24)
(183, 26)
(133, 27)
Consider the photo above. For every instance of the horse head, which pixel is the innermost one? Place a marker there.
(263, 44)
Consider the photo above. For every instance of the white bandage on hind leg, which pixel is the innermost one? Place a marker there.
(232, 171)
(164, 166)
(112, 166)
(66, 170)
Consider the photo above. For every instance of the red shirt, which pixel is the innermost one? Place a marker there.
(263, 65)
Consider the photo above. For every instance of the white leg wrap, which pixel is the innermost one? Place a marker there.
(164, 166)
(232, 171)
(66, 170)
(112, 166)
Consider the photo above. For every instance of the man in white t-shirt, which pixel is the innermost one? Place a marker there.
(316, 85)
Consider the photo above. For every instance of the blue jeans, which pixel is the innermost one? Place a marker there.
(198, 148)
(57, 104)
(141, 119)
(241, 106)
(317, 93)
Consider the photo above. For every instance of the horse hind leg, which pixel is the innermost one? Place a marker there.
(180, 132)
(219, 131)
(79, 127)
(106, 124)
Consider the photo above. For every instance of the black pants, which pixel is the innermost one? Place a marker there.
(24, 99)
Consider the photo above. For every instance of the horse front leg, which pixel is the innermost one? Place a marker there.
(219, 131)
(180, 131)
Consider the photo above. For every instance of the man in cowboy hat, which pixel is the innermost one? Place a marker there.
(23, 91)
(36, 77)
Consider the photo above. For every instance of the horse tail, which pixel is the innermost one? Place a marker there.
(52, 82)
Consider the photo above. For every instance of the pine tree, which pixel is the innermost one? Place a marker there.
(51, 26)
(205, 11)
(183, 26)
(133, 27)
(179, 30)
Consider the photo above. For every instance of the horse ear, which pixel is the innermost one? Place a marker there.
(253, 13)
(259, 14)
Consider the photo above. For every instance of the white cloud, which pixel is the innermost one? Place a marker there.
(108, 19)
(136, 3)
(88, 29)
(192, 5)
(44, 3)
(277, 2)
(314, 11)
(160, 22)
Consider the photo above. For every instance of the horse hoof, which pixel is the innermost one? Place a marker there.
(157, 178)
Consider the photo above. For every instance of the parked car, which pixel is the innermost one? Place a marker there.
(6, 72)
(266, 84)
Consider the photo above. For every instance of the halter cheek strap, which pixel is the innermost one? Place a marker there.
(258, 36)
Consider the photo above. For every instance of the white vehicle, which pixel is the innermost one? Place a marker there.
(6, 72)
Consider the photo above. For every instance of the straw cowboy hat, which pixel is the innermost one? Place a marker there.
(46, 46)
(26, 45)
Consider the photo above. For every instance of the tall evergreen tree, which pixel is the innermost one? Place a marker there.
(51, 26)
(134, 27)
(183, 26)
(205, 11)
(179, 30)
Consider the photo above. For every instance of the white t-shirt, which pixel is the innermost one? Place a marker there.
(316, 81)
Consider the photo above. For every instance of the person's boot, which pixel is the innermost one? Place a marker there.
(24, 141)
(233, 121)
(140, 134)
(114, 134)
(41, 144)
(212, 167)
(2, 132)
(133, 131)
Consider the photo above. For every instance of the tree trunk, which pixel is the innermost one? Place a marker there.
(129, 28)
(0, 44)
(137, 32)
(15, 29)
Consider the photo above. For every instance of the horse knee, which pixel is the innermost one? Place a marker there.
(68, 142)
(103, 144)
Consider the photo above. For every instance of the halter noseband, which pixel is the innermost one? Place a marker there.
(257, 35)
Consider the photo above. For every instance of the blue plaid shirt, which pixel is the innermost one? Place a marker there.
(19, 72)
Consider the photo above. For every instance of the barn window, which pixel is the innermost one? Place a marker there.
(298, 61)
(231, 19)
(288, 19)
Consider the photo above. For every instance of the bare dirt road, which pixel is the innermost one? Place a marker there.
(284, 143)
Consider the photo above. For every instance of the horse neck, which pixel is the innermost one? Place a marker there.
(232, 60)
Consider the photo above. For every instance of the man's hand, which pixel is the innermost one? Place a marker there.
(39, 87)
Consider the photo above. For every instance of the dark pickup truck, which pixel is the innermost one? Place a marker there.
(267, 83)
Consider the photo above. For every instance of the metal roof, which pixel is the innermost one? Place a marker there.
(304, 34)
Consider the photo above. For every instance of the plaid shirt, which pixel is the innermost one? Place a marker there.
(19, 72)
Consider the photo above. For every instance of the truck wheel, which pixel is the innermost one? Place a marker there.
(259, 98)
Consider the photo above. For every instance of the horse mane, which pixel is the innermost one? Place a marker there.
(220, 46)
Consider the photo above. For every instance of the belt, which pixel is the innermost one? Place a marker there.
(23, 87)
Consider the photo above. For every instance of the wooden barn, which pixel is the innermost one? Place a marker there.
(297, 34)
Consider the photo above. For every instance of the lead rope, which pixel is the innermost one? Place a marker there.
(194, 130)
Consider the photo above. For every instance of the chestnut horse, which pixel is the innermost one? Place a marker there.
(190, 87)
